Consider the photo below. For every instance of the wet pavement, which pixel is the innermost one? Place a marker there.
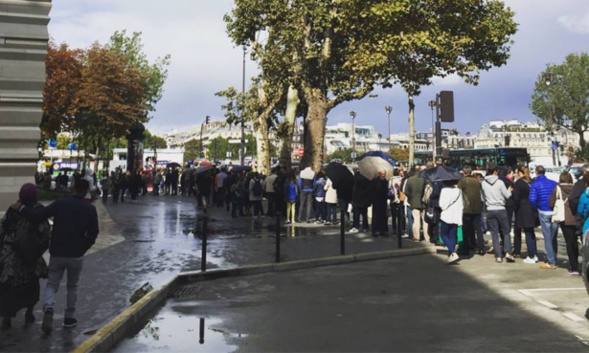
(412, 304)
(157, 237)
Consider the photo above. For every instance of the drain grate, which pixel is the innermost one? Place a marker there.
(187, 292)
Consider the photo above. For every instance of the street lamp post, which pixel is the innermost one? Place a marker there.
(432, 104)
(242, 119)
(353, 115)
(389, 109)
(549, 79)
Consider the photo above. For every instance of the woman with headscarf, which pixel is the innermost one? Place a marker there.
(21, 266)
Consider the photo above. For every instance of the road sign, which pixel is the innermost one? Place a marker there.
(300, 152)
(353, 154)
(71, 146)
(52, 143)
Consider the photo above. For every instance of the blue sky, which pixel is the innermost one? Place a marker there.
(204, 60)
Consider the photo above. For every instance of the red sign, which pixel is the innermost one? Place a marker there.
(300, 152)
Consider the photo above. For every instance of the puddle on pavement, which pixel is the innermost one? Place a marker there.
(173, 332)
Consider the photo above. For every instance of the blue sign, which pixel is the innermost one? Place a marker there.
(52, 143)
(71, 146)
(161, 162)
(190, 161)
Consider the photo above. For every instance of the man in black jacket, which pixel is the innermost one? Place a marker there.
(575, 197)
(75, 228)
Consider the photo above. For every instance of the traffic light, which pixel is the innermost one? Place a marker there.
(446, 104)
(207, 120)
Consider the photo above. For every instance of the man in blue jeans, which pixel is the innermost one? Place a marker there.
(75, 228)
(540, 191)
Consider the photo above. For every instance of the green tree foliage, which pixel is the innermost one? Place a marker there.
(63, 141)
(160, 142)
(561, 97)
(399, 154)
(345, 155)
(340, 50)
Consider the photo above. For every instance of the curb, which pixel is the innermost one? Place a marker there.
(110, 334)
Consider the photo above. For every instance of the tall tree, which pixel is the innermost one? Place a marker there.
(111, 98)
(60, 93)
(561, 96)
(339, 50)
(411, 42)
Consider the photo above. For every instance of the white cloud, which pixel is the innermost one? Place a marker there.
(577, 24)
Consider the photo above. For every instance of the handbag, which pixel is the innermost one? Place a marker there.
(558, 210)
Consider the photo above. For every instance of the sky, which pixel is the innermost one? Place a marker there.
(204, 61)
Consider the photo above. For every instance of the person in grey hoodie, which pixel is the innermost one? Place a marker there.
(495, 195)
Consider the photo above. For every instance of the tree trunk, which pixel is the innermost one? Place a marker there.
(411, 131)
(315, 129)
(292, 103)
(263, 144)
(582, 141)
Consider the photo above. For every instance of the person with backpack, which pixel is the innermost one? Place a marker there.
(22, 266)
(414, 190)
(256, 193)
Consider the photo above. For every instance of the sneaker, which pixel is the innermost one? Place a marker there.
(287, 222)
(405, 236)
(353, 230)
(69, 322)
(574, 273)
(509, 258)
(47, 324)
(530, 260)
(498, 260)
(452, 258)
(547, 266)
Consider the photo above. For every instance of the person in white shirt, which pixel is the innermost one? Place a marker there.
(451, 217)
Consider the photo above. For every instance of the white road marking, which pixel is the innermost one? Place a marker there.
(547, 304)
(573, 317)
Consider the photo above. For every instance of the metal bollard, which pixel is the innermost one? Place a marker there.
(399, 228)
(203, 257)
(342, 233)
(277, 236)
(201, 331)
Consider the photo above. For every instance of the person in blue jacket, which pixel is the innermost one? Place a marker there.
(583, 207)
(540, 191)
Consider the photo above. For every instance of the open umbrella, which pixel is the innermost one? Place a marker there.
(371, 162)
(206, 163)
(201, 169)
(441, 173)
(173, 165)
(340, 175)
(236, 168)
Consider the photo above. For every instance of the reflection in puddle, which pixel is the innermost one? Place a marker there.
(171, 332)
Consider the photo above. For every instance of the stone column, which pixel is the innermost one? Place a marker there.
(23, 48)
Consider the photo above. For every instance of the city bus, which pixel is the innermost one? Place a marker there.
(478, 158)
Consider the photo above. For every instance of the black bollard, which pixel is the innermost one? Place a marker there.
(399, 225)
(201, 338)
(203, 257)
(277, 236)
(342, 230)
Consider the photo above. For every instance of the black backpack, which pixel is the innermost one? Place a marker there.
(257, 190)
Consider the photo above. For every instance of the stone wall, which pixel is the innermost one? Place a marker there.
(23, 48)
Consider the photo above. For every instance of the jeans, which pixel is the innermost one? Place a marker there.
(306, 203)
(472, 231)
(497, 221)
(57, 266)
(549, 231)
(360, 211)
(449, 233)
(409, 213)
(530, 241)
(397, 217)
(320, 210)
(331, 212)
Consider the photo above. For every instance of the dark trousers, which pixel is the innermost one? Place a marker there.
(472, 233)
(449, 234)
(271, 204)
(320, 210)
(257, 206)
(104, 195)
(379, 217)
(398, 217)
(306, 203)
(497, 221)
(530, 241)
(570, 239)
(360, 211)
